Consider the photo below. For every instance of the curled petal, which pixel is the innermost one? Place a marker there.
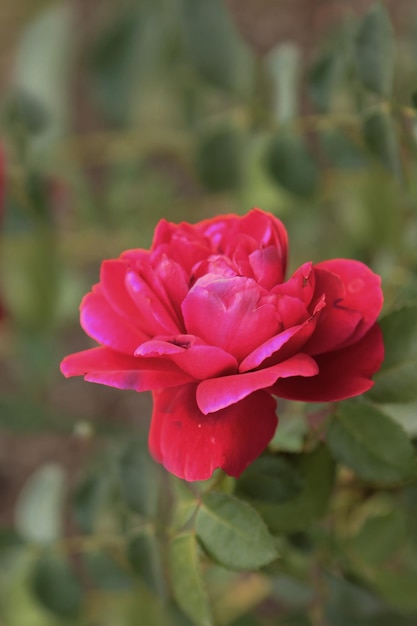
(301, 285)
(342, 374)
(104, 366)
(224, 313)
(283, 345)
(190, 354)
(217, 393)
(338, 321)
(363, 292)
(102, 323)
(192, 445)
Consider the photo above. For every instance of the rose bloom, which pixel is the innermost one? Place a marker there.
(206, 320)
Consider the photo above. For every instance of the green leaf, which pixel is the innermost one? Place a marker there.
(105, 572)
(381, 138)
(283, 66)
(370, 443)
(400, 335)
(139, 479)
(233, 533)
(144, 556)
(56, 587)
(382, 532)
(291, 165)
(87, 502)
(341, 151)
(213, 44)
(219, 159)
(39, 508)
(186, 579)
(270, 479)
(322, 81)
(397, 383)
(43, 66)
(292, 431)
(374, 51)
(396, 587)
(317, 473)
(115, 64)
(397, 379)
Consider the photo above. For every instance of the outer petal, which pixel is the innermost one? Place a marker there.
(191, 355)
(224, 313)
(217, 393)
(343, 374)
(112, 281)
(192, 445)
(363, 292)
(102, 323)
(154, 316)
(104, 366)
(338, 321)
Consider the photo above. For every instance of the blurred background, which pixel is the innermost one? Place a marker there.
(112, 116)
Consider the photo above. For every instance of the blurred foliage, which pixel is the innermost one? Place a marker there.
(111, 118)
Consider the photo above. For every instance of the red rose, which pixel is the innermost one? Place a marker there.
(205, 320)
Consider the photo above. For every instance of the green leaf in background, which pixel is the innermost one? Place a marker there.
(144, 555)
(214, 46)
(220, 159)
(382, 531)
(139, 479)
(291, 165)
(39, 509)
(186, 579)
(317, 472)
(283, 65)
(397, 588)
(56, 587)
(397, 379)
(381, 138)
(105, 573)
(322, 80)
(270, 479)
(115, 64)
(341, 151)
(87, 501)
(370, 443)
(374, 51)
(233, 533)
(42, 69)
(292, 431)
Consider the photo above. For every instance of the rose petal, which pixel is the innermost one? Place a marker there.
(217, 393)
(301, 285)
(337, 321)
(283, 345)
(224, 313)
(191, 355)
(104, 366)
(102, 323)
(154, 316)
(342, 374)
(363, 292)
(192, 445)
(267, 268)
(112, 280)
(267, 230)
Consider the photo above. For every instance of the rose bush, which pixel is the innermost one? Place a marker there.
(206, 320)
